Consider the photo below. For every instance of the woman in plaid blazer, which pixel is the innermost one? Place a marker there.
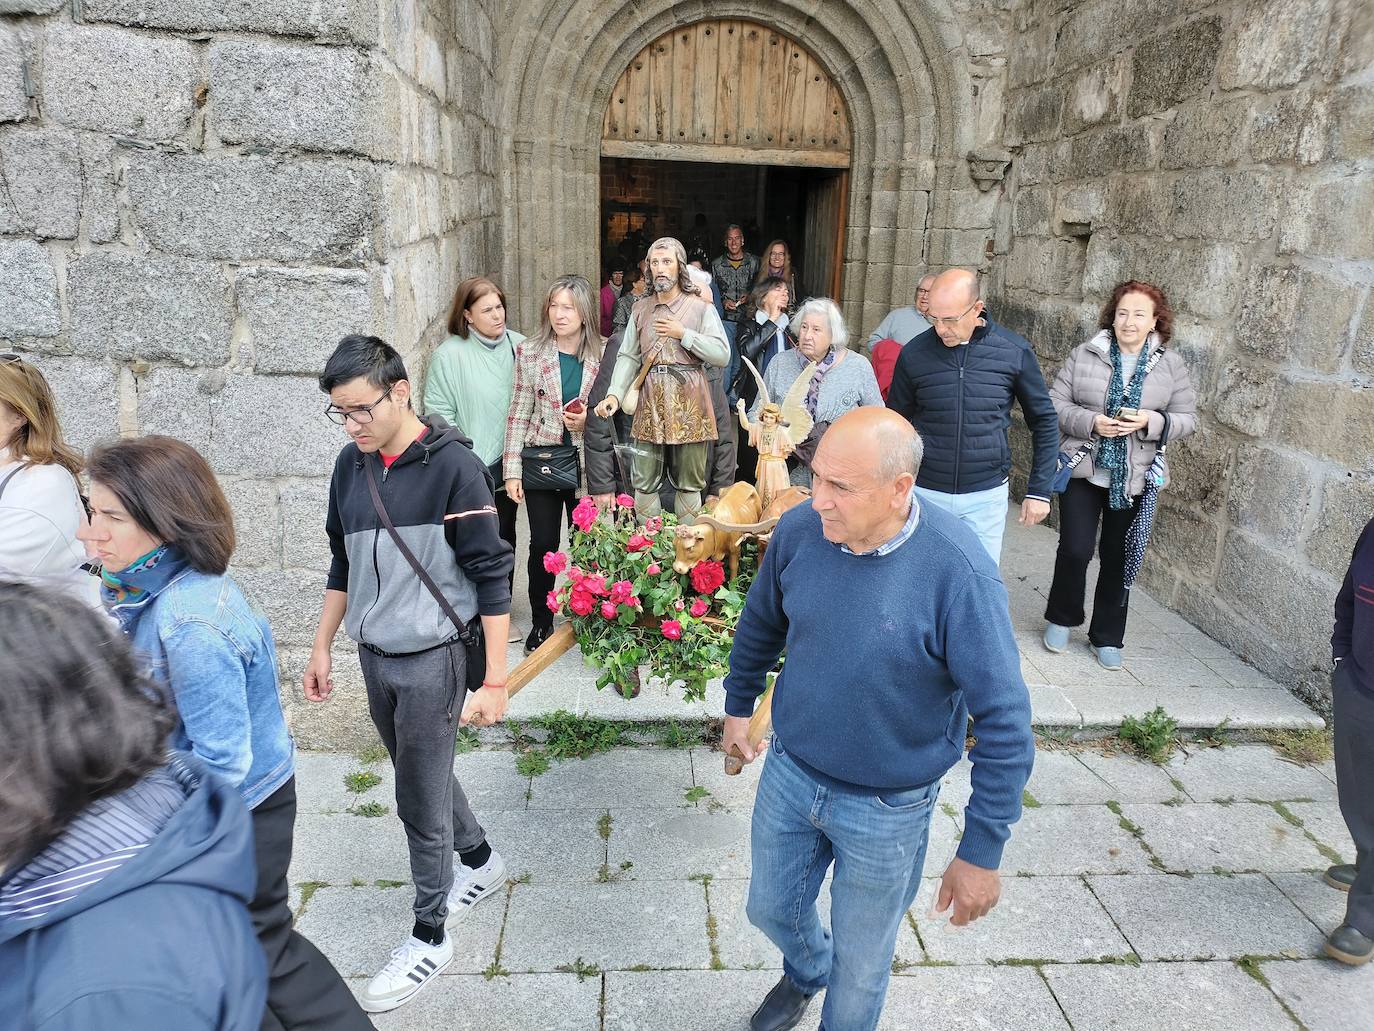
(554, 371)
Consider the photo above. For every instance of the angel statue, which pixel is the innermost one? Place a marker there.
(780, 428)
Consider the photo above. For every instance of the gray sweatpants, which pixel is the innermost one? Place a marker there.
(408, 698)
(1352, 725)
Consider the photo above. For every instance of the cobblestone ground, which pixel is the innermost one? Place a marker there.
(1184, 896)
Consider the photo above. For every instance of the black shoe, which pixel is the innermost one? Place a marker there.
(782, 1008)
(1347, 945)
(538, 636)
(1340, 877)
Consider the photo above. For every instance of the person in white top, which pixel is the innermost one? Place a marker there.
(40, 497)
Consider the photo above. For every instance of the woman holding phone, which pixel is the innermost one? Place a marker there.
(544, 469)
(1120, 392)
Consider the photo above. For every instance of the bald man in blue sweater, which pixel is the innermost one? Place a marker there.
(896, 628)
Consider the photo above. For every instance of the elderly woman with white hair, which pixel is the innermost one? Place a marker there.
(843, 379)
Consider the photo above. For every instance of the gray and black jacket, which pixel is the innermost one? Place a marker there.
(388, 607)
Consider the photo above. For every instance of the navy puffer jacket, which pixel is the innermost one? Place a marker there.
(959, 399)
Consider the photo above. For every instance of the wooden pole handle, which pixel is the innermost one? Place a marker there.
(555, 645)
(760, 726)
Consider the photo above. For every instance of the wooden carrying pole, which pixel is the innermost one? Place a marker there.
(558, 642)
(760, 726)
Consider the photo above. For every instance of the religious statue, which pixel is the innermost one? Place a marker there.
(660, 379)
(778, 431)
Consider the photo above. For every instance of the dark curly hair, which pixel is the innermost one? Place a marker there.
(81, 722)
(1164, 315)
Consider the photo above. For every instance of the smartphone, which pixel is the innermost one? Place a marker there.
(1129, 413)
(575, 407)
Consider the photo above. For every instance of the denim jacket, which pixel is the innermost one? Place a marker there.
(201, 638)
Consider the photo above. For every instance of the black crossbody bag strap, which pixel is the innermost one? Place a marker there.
(463, 633)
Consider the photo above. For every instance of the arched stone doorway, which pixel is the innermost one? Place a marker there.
(899, 66)
(727, 121)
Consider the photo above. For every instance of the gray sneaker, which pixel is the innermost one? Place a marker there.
(1340, 877)
(1349, 946)
(1056, 637)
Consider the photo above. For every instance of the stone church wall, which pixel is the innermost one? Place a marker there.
(1226, 152)
(198, 198)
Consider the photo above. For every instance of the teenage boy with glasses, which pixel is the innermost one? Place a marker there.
(413, 657)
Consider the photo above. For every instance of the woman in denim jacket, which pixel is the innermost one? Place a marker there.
(163, 531)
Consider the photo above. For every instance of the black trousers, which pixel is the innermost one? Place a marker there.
(548, 511)
(1352, 721)
(506, 511)
(303, 988)
(1083, 508)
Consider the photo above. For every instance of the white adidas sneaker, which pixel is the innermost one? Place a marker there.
(472, 886)
(412, 965)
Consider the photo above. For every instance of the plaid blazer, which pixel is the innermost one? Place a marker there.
(536, 408)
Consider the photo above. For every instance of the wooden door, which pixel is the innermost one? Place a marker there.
(822, 264)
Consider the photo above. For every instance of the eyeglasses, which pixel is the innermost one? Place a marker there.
(10, 359)
(951, 320)
(360, 416)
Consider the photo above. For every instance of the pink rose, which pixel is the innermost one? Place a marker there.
(654, 525)
(622, 591)
(654, 569)
(679, 605)
(672, 629)
(555, 562)
(584, 515)
(625, 501)
(554, 603)
(608, 610)
(700, 607)
(576, 575)
(637, 543)
(594, 584)
(633, 601)
(581, 602)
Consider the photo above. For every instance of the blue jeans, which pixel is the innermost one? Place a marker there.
(983, 511)
(878, 845)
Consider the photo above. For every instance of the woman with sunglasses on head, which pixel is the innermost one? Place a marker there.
(40, 497)
(163, 530)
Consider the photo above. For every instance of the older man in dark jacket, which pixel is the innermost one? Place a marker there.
(956, 383)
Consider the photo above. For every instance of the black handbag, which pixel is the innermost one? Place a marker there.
(550, 467)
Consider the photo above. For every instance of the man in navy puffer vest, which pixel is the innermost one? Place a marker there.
(955, 383)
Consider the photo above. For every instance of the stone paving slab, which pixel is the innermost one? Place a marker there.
(1319, 902)
(668, 844)
(741, 945)
(1130, 779)
(1050, 707)
(551, 847)
(336, 848)
(964, 998)
(1323, 821)
(662, 778)
(1251, 708)
(1204, 837)
(358, 927)
(1324, 996)
(1063, 778)
(735, 793)
(491, 780)
(548, 1002)
(1049, 918)
(1246, 771)
(1206, 916)
(1075, 839)
(686, 1000)
(615, 926)
(320, 784)
(1181, 996)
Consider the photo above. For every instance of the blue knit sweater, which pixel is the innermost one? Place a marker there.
(887, 657)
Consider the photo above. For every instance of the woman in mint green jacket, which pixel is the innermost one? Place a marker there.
(471, 378)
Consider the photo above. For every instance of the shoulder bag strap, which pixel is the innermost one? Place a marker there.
(13, 473)
(463, 633)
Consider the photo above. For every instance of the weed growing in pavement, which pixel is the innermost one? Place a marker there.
(532, 763)
(581, 969)
(361, 780)
(695, 794)
(389, 884)
(468, 740)
(576, 737)
(372, 754)
(1152, 735)
(1309, 745)
(369, 809)
(603, 826)
(1028, 800)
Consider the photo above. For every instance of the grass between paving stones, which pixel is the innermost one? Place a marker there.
(1326, 850)
(383, 883)
(370, 809)
(1153, 735)
(1028, 800)
(696, 794)
(308, 889)
(1309, 745)
(1251, 966)
(360, 781)
(1133, 829)
(712, 930)
(494, 968)
(468, 740)
(581, 969)
(372, 754)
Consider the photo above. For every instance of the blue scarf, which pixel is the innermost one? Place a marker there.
(1111, 451)
(143, 577)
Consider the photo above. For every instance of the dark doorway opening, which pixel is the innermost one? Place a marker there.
(643, 199)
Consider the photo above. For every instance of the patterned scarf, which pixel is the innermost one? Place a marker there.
(118, 589)
(1111, 451)
(813, 393)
